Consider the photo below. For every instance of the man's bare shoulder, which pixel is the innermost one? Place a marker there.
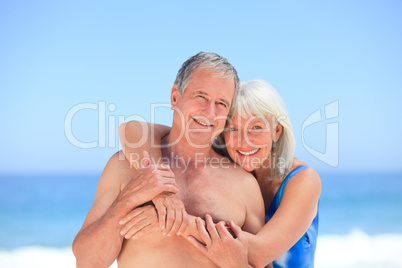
(118, 169)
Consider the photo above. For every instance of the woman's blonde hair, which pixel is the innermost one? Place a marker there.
(259, 98)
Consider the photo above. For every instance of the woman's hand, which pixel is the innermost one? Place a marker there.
(145, 185)
(223, 248)
(139, 222)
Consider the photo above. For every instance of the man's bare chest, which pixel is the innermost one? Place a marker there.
(211, 193)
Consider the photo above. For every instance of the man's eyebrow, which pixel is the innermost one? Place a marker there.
(206, 94)
(201, 92)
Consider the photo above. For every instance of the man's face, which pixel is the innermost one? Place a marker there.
(203, 108)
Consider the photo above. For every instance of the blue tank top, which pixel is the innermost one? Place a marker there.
(302, 253)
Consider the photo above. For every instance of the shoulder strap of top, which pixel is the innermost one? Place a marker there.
(278, 195)
(291, 174)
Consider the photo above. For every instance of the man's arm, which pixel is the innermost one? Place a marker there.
(99, 242)
(140, 221)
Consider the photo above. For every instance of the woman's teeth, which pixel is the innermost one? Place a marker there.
(248, 152)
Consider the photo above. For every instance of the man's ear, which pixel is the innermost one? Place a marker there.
(278, 132)
(173, 96)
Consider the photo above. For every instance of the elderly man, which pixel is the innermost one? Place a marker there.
(203, 180)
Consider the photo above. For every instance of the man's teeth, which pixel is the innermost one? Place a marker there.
(249, 152)
(204, 124)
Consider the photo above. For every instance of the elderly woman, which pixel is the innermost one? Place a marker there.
(259, 138)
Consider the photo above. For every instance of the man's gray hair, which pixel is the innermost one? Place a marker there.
(209, 61)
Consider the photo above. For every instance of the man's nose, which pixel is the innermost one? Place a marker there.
(210, 110)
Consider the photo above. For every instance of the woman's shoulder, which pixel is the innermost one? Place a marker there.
(307, 178)
(307, 171)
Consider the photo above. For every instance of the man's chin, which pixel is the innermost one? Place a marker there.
(200, 140)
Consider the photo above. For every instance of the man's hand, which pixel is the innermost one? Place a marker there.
(223, 248)
(139, 222)
(173, 218)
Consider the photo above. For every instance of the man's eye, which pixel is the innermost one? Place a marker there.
(223, 104)
(231, 129)
(257, 127)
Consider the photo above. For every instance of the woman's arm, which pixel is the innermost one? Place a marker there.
(140, 139)
(292, 219)
(295, 214)
(137, 137)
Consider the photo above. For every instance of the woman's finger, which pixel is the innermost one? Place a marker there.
(177, 222)
(168, 188)
(197, 244)
(223, 231)
(161, 209)
(235, 229)
(184, 222)
(202, 231)
(211, 228)
(170, 217)
(146, 160)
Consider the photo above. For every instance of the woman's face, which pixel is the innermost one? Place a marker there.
(249, 141)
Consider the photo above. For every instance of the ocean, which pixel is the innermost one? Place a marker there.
(360, 219)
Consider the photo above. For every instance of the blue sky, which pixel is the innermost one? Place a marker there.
(124, 56)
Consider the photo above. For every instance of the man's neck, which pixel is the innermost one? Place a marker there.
(179, 150)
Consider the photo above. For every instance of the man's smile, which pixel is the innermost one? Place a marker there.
(202, 123)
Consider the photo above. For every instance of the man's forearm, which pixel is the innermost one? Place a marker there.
(99, 244)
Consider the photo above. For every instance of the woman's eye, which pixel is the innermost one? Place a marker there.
(255, 129)
(230, 129)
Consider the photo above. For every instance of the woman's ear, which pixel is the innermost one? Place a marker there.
(173, 96)
(278, 132)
